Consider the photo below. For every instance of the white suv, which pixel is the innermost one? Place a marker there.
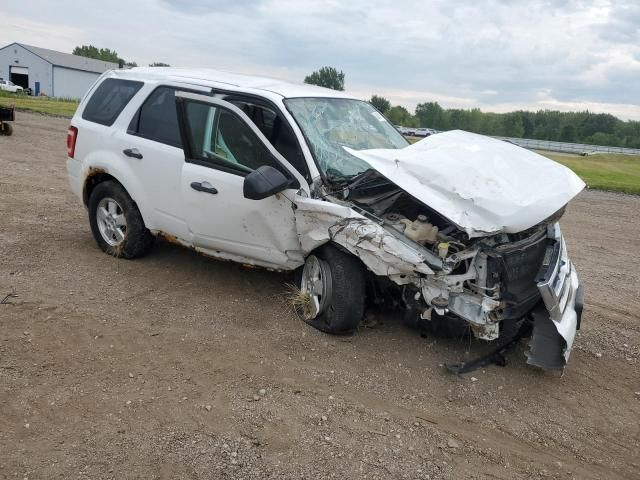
(459, 230)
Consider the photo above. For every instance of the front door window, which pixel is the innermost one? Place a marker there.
(219, 138)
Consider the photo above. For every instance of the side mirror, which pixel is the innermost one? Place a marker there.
(264, 182)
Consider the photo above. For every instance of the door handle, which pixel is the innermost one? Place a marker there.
(132, 152)
(204, 187)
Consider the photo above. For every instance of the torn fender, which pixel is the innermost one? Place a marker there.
(319, 221)
(385, 254)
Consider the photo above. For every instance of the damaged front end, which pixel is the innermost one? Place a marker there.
(555, 325)
(499, 282)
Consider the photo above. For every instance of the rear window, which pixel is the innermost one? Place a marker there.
(109, 100)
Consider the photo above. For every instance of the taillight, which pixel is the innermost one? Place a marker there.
(72, 135)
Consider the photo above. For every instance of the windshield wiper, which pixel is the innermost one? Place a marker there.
(336, 177)
(361, 177)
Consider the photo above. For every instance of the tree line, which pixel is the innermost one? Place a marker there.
(107, 55)
(573, 127)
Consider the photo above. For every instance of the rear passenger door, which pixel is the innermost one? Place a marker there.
(153, 148)
(222, 146)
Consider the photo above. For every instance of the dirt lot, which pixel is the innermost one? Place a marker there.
(153, 368)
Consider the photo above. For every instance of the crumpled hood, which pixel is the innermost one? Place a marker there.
(481, 184)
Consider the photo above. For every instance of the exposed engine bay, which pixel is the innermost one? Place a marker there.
(484, 281)
(482, 266)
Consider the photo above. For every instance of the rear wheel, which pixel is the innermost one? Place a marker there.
(116, 223)
(333, 285)
(6, 129)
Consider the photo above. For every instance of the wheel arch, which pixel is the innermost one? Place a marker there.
(98, 175)
(331, 243)
(95, 177)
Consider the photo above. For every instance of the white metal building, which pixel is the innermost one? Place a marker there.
(50, 72)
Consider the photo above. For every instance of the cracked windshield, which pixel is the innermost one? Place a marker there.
(330, 124)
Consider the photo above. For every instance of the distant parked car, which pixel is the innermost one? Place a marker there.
(422, 132)
(10, 87)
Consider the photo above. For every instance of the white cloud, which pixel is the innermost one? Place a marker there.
(22, 30)
(491, 54)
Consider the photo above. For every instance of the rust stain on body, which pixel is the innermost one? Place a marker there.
(170, 238)
(95, 171)
(173, 240)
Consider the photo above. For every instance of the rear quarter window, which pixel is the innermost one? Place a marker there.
(109, 99)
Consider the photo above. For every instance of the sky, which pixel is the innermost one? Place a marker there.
(497, 55)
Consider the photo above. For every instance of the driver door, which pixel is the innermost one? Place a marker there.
(222, 146)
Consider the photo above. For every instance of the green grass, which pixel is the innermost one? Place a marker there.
(619, 173)
(62, 107)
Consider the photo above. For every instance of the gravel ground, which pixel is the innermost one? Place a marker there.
(178, 366)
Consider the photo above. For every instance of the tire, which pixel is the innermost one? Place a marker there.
(132, 240)
(342, 308)
(6, 129)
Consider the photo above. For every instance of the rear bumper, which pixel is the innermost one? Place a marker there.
(556, 323)
(74, 168)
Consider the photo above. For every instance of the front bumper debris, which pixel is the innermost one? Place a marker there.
(388, 253)
(495, 356)
(555, 319)
(558, 318)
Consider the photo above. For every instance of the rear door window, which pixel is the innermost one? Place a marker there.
(109, 99)
(157, 118)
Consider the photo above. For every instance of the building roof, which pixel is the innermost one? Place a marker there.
(67, 60)
(213, 78)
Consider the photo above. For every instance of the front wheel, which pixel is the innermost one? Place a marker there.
(332, 283)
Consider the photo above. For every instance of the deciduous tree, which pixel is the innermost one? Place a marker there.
(381, 103)
(399, 115)
(90, 51)
(327, 77)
